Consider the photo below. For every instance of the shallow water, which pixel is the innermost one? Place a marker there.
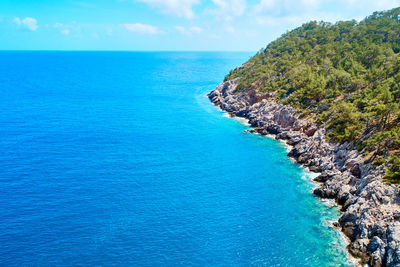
(118, 158)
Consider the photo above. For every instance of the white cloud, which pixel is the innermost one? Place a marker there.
(293, 13)
(312, 3)
(65, 31)
(63, 28)
(196, 29)
(265, 5)
(230, 29)
(142, 28)
(302, 6)
(228, 9)
(28, 23)
(179, 8)
(373, 4)
(58, 25)
(189, 30)
(285, 7)
(296, 20)
(180, 29)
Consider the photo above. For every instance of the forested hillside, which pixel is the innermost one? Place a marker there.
(344, 76)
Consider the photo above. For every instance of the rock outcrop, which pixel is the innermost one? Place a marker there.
(371, 211)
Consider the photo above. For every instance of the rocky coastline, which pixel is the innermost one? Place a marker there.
(370, 208)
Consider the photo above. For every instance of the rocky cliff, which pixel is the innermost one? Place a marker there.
(371, 211)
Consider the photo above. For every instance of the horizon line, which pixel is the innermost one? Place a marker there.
(144, 51)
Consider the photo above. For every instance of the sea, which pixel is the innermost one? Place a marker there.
(119, 159)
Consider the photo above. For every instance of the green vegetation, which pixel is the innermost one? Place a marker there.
(345, 76)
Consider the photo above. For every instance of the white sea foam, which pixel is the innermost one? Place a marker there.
(242, 121)
(308, 176)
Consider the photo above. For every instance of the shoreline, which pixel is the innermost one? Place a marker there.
(369, 208)
(309, 176)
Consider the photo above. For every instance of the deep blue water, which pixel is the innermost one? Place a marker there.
(118, 158)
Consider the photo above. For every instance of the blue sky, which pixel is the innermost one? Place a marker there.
(233, 25)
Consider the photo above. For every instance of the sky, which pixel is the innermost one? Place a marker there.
(166, 25)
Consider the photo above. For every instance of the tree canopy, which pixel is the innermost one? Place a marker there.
(345, 76)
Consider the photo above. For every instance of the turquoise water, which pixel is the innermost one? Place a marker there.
(118, 158)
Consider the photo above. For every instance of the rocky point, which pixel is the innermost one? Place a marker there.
(371, 213)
